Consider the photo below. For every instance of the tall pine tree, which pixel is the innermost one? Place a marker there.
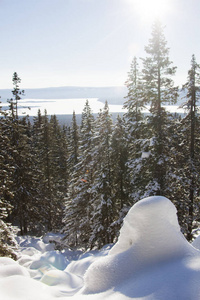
(190, 125)
(78, 203)
(103, 214)
(7, 241)
(136, 133)
(158, 90)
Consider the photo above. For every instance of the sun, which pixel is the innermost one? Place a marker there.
(149, 10)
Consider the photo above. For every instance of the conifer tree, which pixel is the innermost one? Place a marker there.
(85, 171)
(134, 100)
(158, 90)
(51, 166)
(7, 233)
(17, 94)
(59, 155)
(136, 132)
(190, 126)
(38, 148)
(120, 174)
(176, 180)
(78, 202)
(70, 220)
(23, 186)
(73, 142)
(102, 219)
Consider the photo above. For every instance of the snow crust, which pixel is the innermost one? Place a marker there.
(150, 261)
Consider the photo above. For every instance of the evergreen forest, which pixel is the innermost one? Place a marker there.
(81, 180)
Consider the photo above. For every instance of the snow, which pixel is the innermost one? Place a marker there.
(196, 243)
(67, 106)
(62, 106)
(148, 238)
(145, 154)
(150, 261)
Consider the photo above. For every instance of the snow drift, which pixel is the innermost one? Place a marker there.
(150, 238)
(151, 261)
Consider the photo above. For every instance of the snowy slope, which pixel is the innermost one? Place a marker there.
(151, 260)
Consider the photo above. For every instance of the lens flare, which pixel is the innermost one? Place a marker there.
(149, 10)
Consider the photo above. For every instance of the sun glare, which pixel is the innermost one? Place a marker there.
(149, 10)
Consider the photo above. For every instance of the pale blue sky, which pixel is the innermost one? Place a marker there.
(88, 42)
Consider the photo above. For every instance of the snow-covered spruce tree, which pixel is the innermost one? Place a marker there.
(119, 174)
(7, 234)
(51, 168)
(56, 172)
(33, 184)
(135, 101)
(59, 148)
(47, 171)
(177, 181)
(24, 180)
(14, 132)
(39, 152)
(70, 222)
(158, 90)
(102, 217)
(136, 133)
(78, 202)
(73, 138)
(190, 126)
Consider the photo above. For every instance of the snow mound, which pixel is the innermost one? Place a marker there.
(149, 237)
(35, 244)
(9, 267)
(55, 259)
(79, 267)
(23, 288)
(151, 227)
(4, 261)
(63, 279)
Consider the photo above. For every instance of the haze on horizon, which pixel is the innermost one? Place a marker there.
(53, 43)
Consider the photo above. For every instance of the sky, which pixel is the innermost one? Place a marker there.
(52, 43)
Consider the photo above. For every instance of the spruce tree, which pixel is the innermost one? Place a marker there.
(23, 187)
(78, 202)
(134, 102)
(119, 174)
(103, 214)
(136, 132)
(38, 147)
(51, 167)
(191, 134)
(73, 142)
(177, 182)
(17, 94)
(59, 155)
(7, 233)
(158, 90)
(70, 220)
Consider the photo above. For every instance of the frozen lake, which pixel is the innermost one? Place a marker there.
(61, 106)
(67, 106)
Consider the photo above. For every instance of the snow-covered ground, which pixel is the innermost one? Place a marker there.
(151, 260)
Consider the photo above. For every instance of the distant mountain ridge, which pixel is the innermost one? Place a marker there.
(114, 95)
